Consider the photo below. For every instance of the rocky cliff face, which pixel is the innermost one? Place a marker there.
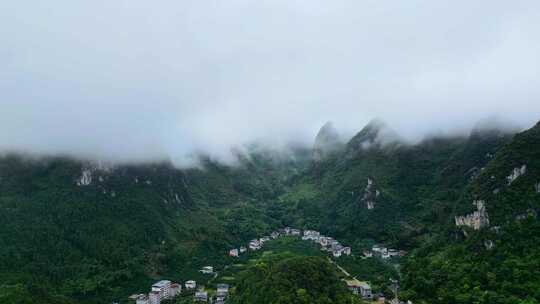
(85, 179)
(476, 220)
(370, 194)
(93, 171)
(517, 172)
(326, 142)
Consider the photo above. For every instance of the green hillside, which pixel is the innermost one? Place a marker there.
(499, 263)
(82, 232)
(414, 186)
(129, 226)
(286, 278)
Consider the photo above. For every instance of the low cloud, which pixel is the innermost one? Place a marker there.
(140, 81)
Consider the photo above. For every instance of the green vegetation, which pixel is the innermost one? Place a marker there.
(61, 243)
(373, 270)
(127, 228)
(287, 278)
(453, 268)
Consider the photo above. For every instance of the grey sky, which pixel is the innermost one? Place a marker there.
(136, 80)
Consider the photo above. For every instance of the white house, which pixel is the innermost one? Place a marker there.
(222, 287)
(365, 290)
(175, 290)
(254, 245)
(377, 248)
(360, 288)
(141, 299)
(163, 288)
(201, 296)
(295, 232)
(207, 270)
(243, 249)
(312, 234)
(222, 291)
(154, 297)
(233, 252)
(347, 250)
(323, 241)
(190, 284)
(332, 242)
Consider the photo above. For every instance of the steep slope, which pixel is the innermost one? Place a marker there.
(89, 233)
(492, 255)
(327, 142)
(383, 189)
(81, 232)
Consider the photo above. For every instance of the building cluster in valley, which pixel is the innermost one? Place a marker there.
(165, 289)
(383, 252)
(327, 243)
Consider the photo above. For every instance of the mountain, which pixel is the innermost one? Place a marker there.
(375, 134)
(464, 207)
(492, 256)
(389, 191)
(327, 142)
(83, 232)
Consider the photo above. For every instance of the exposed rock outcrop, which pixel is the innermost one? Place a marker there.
(90, 171)
(517, 172)
(370, 194)
(489, 244)
(370, 205)
(85, 179)
(476, 220)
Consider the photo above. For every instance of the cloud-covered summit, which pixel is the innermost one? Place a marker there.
(134, 80)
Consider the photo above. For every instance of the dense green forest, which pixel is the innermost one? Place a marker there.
(499, 264)
(130, 225)
(286, 278)
(81, 232)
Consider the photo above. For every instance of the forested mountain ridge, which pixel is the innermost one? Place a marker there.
(498, 261)
(381, 188)
(83, 232)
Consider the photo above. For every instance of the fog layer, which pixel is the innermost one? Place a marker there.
(139, 80)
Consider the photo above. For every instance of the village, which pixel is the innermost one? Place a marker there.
(166, 290)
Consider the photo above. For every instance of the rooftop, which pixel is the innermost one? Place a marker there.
(357, 283)
(162, 283)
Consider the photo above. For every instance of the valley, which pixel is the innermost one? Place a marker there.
(83, 232)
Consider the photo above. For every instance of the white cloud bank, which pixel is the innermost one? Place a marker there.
(141, 80)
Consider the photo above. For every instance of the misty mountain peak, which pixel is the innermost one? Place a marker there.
(327, 142)
(376, 132)
(493, 126)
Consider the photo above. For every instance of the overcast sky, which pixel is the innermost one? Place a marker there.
(136, 80)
